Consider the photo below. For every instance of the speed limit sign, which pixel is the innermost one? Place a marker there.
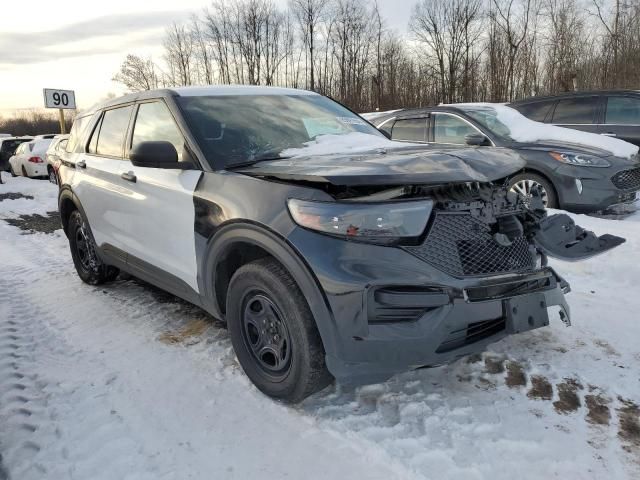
(54, 98)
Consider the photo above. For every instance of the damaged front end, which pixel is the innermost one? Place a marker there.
(484, 234)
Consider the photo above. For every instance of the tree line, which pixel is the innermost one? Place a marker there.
(34, 122)
(453, 51)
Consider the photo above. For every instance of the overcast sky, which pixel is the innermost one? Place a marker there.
(79, 46)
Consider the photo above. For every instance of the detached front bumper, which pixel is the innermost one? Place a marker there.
(392, 312)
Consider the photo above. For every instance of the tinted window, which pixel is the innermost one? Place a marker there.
(410, 130)
(154, 122)
(450, 129)
(623, 110)
(112, 131)
(575, 110)
(535, 111)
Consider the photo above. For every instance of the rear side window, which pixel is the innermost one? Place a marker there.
(576, 110)
(623, 111)
(535, 111)
(111, 132)
(154, 122)
(75, 136)
(410, 130)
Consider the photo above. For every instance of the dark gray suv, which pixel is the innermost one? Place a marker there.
(614, 113)
(329, 250)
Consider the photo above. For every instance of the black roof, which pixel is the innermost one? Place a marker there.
(581, 93)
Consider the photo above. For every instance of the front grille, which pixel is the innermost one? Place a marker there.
(627, 179)
(474, 332)
(462, 245)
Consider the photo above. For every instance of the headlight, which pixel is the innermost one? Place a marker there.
(580, 159)
(365, 221)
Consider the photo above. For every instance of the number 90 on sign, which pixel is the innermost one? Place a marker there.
(54, 98)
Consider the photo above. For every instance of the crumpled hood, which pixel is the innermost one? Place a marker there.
(403, 166)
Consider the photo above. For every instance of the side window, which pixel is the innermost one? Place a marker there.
(535, 111)
(623, 111)
(450, 129)
(75, 135)
(154, 122)
(410, 130)
(576, 110)
(112, 131)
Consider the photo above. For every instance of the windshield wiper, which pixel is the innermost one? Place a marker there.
(258, 159)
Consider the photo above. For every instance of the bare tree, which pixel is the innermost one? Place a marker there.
(137, 74)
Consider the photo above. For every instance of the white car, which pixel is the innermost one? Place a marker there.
(52, 157)
(29, 159)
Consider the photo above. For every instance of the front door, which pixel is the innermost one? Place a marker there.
(161, 215)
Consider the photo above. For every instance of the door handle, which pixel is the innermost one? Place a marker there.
(129, 177)
(81, 164)
(609, 134)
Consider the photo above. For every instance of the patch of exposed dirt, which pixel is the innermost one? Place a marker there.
(485, 384)
(493, 365)
(568, 401)
(474, 358)
(516, 377)
(598, 412)
(541, 388)
(191, 331)
(14, 196)
(37, 223)
(629, 416)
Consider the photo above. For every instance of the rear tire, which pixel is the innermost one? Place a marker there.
(13, 174)
(523, 181)
(273, 332)
(83, 251)
(24, 172)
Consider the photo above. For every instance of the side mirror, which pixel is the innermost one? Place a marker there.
(476, 139)
(156, 154)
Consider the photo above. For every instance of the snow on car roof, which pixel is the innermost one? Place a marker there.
(211, 90)
(523, 129)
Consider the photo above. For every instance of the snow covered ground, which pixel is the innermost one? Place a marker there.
(123, 381)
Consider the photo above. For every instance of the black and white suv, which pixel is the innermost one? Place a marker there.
(328, 249)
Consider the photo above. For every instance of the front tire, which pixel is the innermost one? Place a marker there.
(523, 183)
(273, 332)
(83, 251)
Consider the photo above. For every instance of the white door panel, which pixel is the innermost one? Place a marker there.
(105, 198)
(160, 220)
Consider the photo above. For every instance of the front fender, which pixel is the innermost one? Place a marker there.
(278, 247)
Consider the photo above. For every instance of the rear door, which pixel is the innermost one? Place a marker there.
(622, 118)
(160, 217)
(579, 113)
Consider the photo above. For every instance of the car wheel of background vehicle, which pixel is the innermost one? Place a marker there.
(273, 332)
(83, 251)
(13, 174)
(52, 176)
(523, 183)
(24, 172)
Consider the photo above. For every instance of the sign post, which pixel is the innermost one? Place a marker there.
(62, 100)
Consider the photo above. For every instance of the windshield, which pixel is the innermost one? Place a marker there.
(237, 129)
(488, 118)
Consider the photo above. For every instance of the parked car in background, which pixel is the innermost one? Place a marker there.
(56, 147)
(614, 113)
(326, 248)
(29, 159)
(573, 170)
(8, 146)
